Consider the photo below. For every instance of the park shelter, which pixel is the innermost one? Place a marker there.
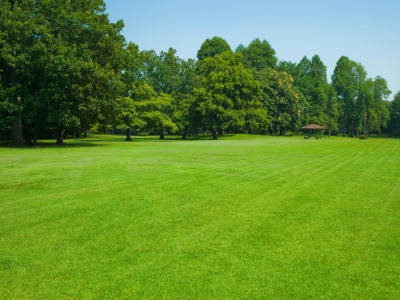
(312, 129)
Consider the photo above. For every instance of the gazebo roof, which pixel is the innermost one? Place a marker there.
(312, 126)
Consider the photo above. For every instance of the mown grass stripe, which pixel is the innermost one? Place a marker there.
(242, 217)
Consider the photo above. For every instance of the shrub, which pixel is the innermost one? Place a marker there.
(362, 137)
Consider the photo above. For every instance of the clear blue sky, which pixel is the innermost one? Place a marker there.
(366, 31)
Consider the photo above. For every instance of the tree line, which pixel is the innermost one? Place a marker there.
(65, 68)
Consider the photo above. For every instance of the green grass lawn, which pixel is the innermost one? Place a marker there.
(244, 217)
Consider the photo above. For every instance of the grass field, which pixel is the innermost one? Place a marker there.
(244, 217)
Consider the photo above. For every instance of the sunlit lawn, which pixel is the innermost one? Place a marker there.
(244, 217)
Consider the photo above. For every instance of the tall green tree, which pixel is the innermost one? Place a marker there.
(302, 77)
(365, 105)
(88, 52)
(60, 63)
(258, 55)
(167, 77)
(183, 97)
(331, 111)
(310, 76)
(227, 95)
(133, 73)
(126, 116)
(6, 110)
(22, 53)
(212, 47)
(288, 67)
(348, 79)
(157, 84)
(395, 115)
(152, 110)
(379, 113)
(283, 100)
(319, 93)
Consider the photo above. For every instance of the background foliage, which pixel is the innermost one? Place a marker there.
(66, 70)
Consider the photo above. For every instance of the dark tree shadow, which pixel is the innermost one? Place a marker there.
(104, 140)
(52, 144)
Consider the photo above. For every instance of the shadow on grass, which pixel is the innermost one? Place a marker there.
(105, 140)
(155, 138)
(99, 141)
(50, 144)
(382, 136)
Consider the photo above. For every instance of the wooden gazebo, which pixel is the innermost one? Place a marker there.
(318, 129)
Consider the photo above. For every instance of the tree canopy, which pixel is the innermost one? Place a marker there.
(258, 55)
(228, 94)
(60, 64)
(212, 47)
(64, 67)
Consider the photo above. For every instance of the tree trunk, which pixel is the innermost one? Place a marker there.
(344, 126)
(128, 135)
(35, 136)
(60, 137)
(28, 138)
(85, 134)
(16, 134)
(365, 126)
(162, 134)
(78, 133)
(184, 134)
(214, 134)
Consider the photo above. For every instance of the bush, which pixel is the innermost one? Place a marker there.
(143, 134)
(362, 137)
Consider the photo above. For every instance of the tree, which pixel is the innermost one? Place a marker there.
(380, 116)
(379, 112)
(239, 48)
(348, 79)
(284, 101)
(312, 81)
(395, 115)
(60, 63)
(133, 69)
(212, 47)
(5, 114)
(88, 56)
(302, 78)
(22, 52)
(166, 77)
(365, 105)
(227, 95)
(182, 115)
(126, 116)
(258, 55)
(331, 111)
(153, 110)
(288, 67)
(183, 97)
